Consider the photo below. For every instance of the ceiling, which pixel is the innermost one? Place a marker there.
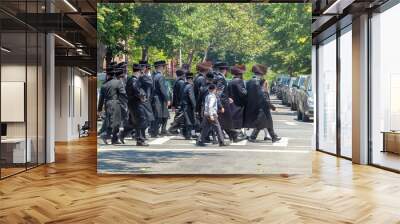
(74, 22)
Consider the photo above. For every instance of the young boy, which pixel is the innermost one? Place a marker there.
(210, 120)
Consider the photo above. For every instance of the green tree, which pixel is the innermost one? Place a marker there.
(116, 24)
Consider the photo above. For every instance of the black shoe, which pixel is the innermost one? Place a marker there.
(173, 132)
(238, 139)
(104, 139)
(164, 133)
(276, 139)
(121, 139)
(266, 138)
(224, 144)
(199, 143)
(141, 144)
(116, 142)
(252, 139)
(214, 142)
(155, 136)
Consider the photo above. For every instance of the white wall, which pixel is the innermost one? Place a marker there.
(71, 102)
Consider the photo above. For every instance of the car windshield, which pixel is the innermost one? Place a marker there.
(302, 80)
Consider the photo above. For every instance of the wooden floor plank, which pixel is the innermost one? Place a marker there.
(70, 191)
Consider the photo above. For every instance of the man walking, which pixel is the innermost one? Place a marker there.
(160, 101)
(126, 127)
(188, 105)
(137, 105)
(237, 92)
(225, 118)
(210, 119)
(176, 101)
(257, 110)
(110, 93)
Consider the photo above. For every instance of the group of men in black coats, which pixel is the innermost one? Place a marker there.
(134, 103)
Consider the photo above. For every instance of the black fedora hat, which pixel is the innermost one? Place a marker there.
(180, 72)
(145, 63)
(210, 75)
(189, 75)
(137, 67)
(159, 63)
(118, 71)
(221, 65)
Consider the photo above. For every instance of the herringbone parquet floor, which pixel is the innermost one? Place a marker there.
(70, 191)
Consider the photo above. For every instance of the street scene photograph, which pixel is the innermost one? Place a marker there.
(190, 88)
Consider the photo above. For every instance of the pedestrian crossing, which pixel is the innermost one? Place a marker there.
(175, 142)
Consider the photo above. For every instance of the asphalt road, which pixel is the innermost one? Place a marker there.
(175, 155)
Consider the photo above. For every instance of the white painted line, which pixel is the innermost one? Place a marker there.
(160, 141)
(202, 149)
(291, 123)
(283, 142)
(244, 142)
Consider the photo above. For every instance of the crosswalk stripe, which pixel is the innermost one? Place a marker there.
(244, 142)
(291, 123)
(203, 149)
(283, 142)
(160, 141)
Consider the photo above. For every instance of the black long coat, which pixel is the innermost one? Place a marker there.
(237, 91)
(188, 104)
(146, 86)
(225, 119)
(177, 92)
(198, 82)
(257, 113)
(110, 94)
(160, 96)
(136, 103)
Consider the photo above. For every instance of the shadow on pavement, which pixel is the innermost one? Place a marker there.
(124, 161)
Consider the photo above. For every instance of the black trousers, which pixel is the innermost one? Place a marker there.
(208, 126)
(232, 133)
(177, 122)
(156, 125)
(140, 134)
(255, 132)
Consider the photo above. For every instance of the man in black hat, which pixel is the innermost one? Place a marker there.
(146, 66)
(188, 105)
(176, 101)
(200, 104)
(200, 80)
(136, 104)
(146, 84)
(257, 110)
(110, 93)
(237, 91)
(121, 73)
(225, 118)
(160, 101)
(210, 121)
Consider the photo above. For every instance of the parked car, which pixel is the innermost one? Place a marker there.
(305, 103)
(298, 83)
(286, 91)
(282, 81)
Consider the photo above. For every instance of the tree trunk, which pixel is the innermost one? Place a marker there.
(190, 58)
(109, 57)
(145, 53)
(180, 56)
(205, 54)
(126, 51)
(101, 56)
